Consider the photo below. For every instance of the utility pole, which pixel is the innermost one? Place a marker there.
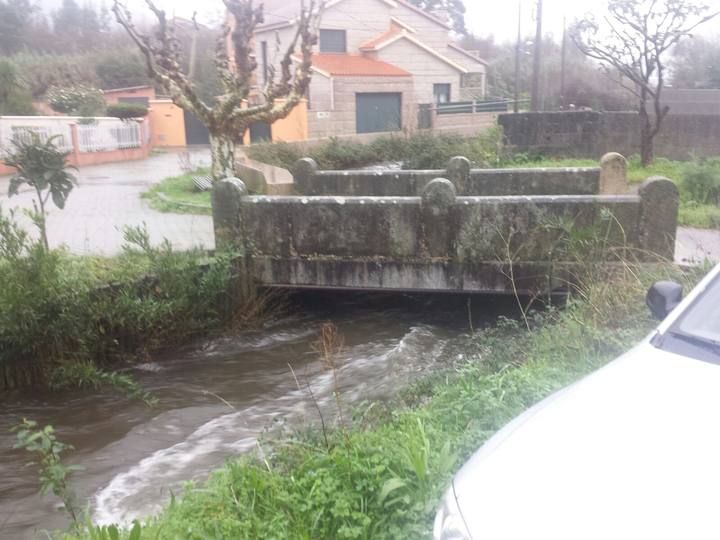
(517, 60)
(563, 52)
(535, 96)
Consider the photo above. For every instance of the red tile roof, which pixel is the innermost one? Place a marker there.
(349, 65)
(394, 30)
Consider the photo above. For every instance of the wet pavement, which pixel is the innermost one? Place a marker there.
(107, 198)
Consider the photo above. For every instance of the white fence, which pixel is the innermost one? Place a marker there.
(18, 128)
(99, 135)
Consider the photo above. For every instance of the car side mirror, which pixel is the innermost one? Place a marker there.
(663, 297)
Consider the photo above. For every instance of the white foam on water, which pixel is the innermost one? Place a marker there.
(362, 371)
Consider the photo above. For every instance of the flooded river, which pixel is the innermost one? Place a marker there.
(216, 397)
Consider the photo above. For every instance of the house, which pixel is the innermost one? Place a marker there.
(378, 65)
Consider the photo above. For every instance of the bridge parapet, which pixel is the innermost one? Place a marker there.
(609, 177)
(438, 241)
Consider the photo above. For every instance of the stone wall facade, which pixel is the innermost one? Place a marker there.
(591, 134)
(437, 240)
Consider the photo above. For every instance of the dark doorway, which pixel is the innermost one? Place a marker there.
(195, 130)
(260, 132)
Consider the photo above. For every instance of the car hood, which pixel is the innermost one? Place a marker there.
(632, 451)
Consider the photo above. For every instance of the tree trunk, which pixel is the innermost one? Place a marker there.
(222, 155)
(646, 138)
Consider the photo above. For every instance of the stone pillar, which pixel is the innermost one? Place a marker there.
(613, 174)
(438, 196)
(227, 220)
(303, 172)
(458, 172)
(659, 201)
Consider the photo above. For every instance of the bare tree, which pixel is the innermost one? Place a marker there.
(635, 38)
(229, 117)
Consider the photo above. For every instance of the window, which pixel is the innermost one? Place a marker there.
(333, 41)
(441, 93)
(264, 53)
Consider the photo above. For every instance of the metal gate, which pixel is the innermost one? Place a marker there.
(376, 112)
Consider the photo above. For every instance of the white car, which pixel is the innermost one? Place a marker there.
(629, 452)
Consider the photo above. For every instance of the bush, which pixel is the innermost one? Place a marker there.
(79, 100)
(701, 180)
(57, 309)
(417, 151)
(127, 111)
(15, 98)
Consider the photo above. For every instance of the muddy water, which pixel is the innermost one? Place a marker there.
(218, 396)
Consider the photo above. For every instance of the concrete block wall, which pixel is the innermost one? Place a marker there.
(591, 134)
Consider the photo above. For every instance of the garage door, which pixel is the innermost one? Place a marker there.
(378, 112)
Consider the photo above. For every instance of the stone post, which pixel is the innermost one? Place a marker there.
(303, 171)
(458, 172)
(659, 201)
(254, 179)
(227, 220)
(438, 196)
(613, 174)
(227, 198)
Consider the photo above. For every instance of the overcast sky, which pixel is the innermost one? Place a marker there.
(484, 17)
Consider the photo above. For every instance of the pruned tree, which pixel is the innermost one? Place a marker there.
(635, 38)
(230, 115)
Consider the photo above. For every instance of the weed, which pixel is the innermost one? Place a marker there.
(54, 474)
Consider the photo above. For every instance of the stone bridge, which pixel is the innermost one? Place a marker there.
(455, 230)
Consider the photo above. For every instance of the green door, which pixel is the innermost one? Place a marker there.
(378, 112)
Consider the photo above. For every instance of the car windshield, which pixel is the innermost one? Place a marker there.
(702, 320)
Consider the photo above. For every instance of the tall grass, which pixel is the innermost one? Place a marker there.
(58, 310)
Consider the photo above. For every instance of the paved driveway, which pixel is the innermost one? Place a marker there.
(108, 197)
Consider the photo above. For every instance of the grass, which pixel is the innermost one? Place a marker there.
(178, 194)
(383, 477)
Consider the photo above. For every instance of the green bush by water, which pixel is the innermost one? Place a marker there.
(57, 309)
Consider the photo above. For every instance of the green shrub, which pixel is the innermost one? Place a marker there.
(126, 111)
(701, 180)
(15, 97)
(78, 99)
(56, 309)
(417, 151)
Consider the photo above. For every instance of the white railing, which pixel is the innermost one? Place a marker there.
(105, 134)
(19, 128)
(101, 135)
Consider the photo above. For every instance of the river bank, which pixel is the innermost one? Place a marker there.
(381, 469)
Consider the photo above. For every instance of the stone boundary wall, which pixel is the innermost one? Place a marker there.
(437, 241)
(591, 134)
(609, 177)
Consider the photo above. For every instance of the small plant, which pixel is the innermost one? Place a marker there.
(78, 100)
(54, 474)
(43, 167)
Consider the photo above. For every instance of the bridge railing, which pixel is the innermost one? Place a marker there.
(609, 177)
(436, 241)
